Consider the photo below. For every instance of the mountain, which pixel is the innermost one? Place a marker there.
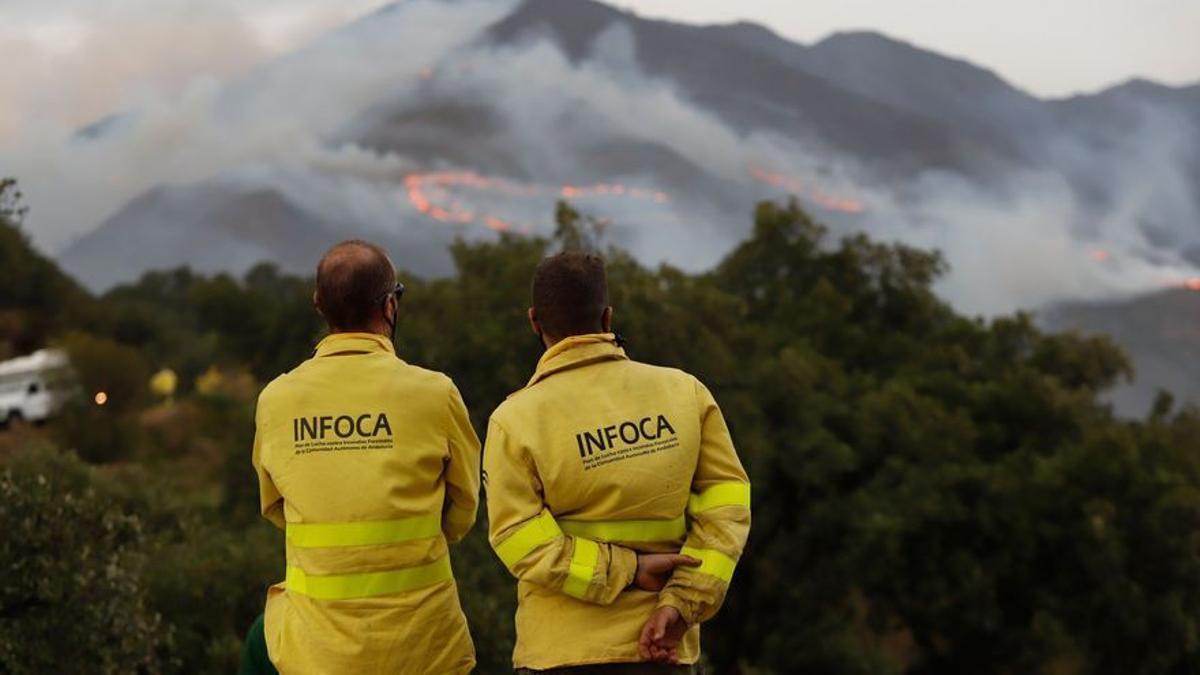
(389, 130)
(1159, 331)
(429, 120)
(958, 95)
(1102, 120)
(1136, 92)
(217, 227)
(749, 87)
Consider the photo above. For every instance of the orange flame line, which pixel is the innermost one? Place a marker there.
(424, 189)
(815, 195)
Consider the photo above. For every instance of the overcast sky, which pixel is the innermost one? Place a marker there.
(1049, 47)
(80, 58)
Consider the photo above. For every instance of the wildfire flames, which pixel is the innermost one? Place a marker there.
(442, 195)
(434, 194)
(616, 189)
(1189, 283)
(810, 193)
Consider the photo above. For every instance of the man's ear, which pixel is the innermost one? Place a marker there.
(316, 305)
(533, 322)
(395, 305)
(606, 319)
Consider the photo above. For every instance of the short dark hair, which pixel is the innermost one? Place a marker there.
(353, 278)
(570, 293)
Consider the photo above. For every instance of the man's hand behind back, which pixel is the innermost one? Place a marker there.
(661, 635)
(654, 569)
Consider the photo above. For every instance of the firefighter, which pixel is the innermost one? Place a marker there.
(614, 493)
(371, 467)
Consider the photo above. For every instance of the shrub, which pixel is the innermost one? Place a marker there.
(73, 598)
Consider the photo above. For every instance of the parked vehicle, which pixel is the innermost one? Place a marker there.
(35, 387)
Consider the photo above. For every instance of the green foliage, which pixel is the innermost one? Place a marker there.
(108, 432)
(264, 322)
(103, 365)
(941, 494)
(228, 424)
(74, 598)
(575, 231)
(209, 581)
(474, 327)
(933, 493)
(36, 299)
(11, 209)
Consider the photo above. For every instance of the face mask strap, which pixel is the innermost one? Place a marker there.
(394, 320)
(396, 293)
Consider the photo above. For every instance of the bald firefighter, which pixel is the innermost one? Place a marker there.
(371, 467)
(614, 493)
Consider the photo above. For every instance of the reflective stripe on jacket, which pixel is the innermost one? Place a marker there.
(371, 466)
(598, 458)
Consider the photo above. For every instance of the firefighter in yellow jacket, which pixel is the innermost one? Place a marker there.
(371, 467)
(598, 464)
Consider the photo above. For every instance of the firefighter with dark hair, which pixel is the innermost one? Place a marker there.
(614, 493)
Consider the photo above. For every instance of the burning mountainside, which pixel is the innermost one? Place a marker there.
(463, 197)
(806, 192)
(1106, 258)
(470, 198)
(522, 104)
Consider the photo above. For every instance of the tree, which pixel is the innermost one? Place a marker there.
(73, 598)
(36, 299)
(933, 493)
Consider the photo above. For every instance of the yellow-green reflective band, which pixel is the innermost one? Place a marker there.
(531, 535)
(364, 533)
(721, 494)
(626, 530)
(712, 563)
(368, 584)
(583, 567)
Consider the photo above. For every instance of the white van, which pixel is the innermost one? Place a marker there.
(33, 388)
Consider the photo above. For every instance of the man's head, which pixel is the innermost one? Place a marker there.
(570, 297)
(355, 280)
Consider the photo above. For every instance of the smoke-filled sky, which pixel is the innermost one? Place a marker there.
(76, 60)
(170, 64)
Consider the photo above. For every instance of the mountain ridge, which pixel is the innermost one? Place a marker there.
(671, 132)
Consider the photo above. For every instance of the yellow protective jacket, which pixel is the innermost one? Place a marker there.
(597, 458)
(371, 466)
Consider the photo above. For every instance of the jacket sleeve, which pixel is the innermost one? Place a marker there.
(718, 514)
(269, 500)
(529, 541)
(462, 472)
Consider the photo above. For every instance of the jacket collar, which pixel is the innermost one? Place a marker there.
(342, 343)
(577, 351)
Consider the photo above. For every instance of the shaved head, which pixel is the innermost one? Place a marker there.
(353, 279)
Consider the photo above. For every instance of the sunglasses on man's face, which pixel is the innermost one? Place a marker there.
(398, 291)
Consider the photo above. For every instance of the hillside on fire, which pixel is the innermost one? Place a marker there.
(426, 121)
(933, 493)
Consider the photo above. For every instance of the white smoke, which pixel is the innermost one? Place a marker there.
(1020, 251)
(276, 116)
(1021, 242)
(1037, 241)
